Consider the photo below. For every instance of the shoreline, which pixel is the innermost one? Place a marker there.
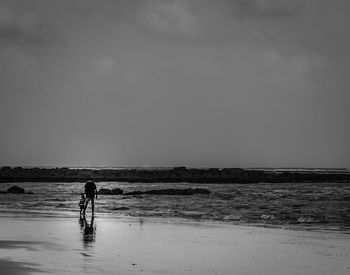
(38, 214)
(61, 245)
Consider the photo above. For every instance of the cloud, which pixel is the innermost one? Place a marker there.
(215, 21)
(172, 17)
(20, 71)
(155, 82)
(16, 28)
(276, 7)
(296, 64)
(21, 68)
(266, 8)
(104, 66)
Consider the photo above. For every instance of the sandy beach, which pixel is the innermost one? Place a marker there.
(40, 243)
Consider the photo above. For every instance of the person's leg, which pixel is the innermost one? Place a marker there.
(93, 206)
(86, 205)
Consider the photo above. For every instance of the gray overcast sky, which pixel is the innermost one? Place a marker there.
(161, 83)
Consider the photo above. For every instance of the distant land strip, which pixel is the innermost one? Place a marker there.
(176, 174)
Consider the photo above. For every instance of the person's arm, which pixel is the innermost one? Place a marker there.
(96, 191)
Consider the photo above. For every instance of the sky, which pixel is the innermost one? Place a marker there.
(209, 83)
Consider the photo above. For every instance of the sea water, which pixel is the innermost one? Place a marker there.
(306, 205)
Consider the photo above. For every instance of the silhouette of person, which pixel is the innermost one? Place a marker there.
(90, 192)
(82, 203)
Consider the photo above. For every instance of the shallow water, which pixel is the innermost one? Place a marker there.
(306, 205)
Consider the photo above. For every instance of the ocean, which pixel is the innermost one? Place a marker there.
(311, 206)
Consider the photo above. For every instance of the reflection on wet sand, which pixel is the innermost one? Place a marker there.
(88, 230)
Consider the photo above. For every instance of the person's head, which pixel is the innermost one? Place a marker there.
(82, 196)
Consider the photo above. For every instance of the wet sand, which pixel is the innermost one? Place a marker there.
(40, 244)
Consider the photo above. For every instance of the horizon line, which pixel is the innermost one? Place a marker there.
(166, 167)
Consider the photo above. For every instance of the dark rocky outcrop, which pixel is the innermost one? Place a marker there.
(171, 191)
(117, 191)
(15, 190)
(106, 191)
(123, 208)
(177, 174)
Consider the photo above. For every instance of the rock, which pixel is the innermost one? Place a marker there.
(176, 174)
(171, 191)
(15, 190)
(117, 191)
(5, 169)
(104, 191)
(179, 168)
(123, 208)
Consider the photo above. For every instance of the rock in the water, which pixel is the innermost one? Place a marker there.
(171, 191)
(15, 190)
(123, 208)
(117, 191)
(105, 191)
